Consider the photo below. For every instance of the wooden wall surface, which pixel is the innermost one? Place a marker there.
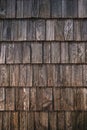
(43, 64)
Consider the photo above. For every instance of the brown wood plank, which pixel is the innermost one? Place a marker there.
(41, 120)
(44, 99)
(77, 75)
(67, 99)
(35, 79)
(56, 96)
(10, 99)
(52, 120)
(29, 75)
(22, 99)
(6, 120)
(42, 75)
(2, 99)
(33, 100)
(10, 53)
(68, 121)
(4, 75)
(61, 120)
(30, 121)
(23, 120)
(14, 121)
(1, 120)
(22, 76)
(14, 75)
(80, 99)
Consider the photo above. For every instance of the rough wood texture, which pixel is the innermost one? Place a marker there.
(43, 64)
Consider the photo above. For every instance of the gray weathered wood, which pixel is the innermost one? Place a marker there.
(59, 30)
(31, 30)
(17, 53)
(27, 8)
(73, 52)
(50, 30)
(40, 30)
(35, 8)
(36, 53)
(69, 8)
(55, 52)
(10, 10)
(64, 53)
(2, 53)
(84, 30)
(26, 53)
(22, 30)
(68, 30)
(19, 11)
(77, 30)
(56, 8)
(47, 53)
(44, 9)
(82, 10)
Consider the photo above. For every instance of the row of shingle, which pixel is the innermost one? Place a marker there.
(43, 75)
(43, 120)
(43, 99)
(43, 52)
(59, 30)
(43, 9)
